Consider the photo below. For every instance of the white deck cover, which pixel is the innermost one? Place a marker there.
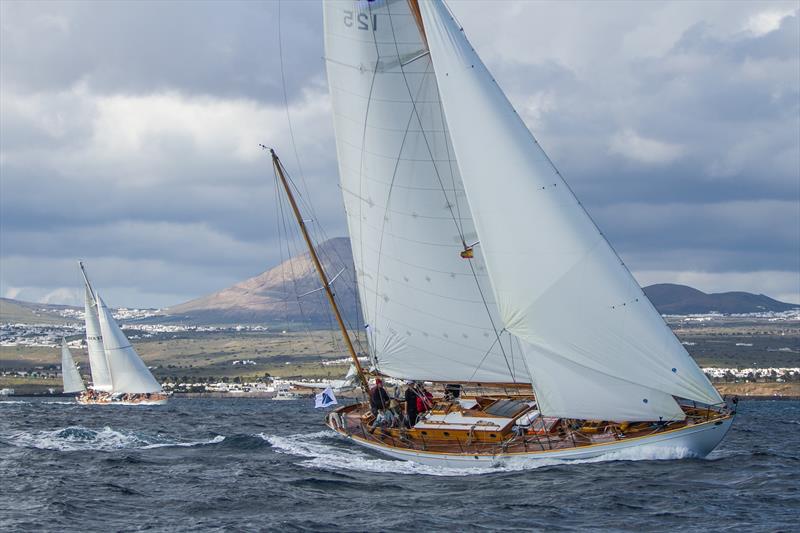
(457, 420)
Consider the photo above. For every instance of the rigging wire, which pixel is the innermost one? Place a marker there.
(335, 339)
(415, 111)
(286, 102)
(316, 226)
(369, 332)
(449, 204)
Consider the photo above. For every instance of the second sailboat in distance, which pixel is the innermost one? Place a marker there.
(119, 376)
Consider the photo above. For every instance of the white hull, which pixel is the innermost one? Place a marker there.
(154, 402)
(694, 441)
(81, 401)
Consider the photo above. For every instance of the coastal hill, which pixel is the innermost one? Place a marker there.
(284, 294)
(673, 299)
(272, 298)
(17, 311)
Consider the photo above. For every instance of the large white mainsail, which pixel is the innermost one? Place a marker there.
(595, 345)
(430, 313)
(129, 374)
(69, 372)
(101, 378)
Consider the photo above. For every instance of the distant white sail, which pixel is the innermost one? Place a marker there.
(594, 344)
(129, 374)
(69, 372)
(429, 314)
(101, 378)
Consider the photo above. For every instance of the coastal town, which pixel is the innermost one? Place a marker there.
(732, 350)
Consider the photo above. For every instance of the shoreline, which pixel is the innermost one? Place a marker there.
(268, 396)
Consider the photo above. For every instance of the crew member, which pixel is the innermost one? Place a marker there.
(378, 397)
(411, 404)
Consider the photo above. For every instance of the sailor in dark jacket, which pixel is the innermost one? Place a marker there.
(411, 404)
(378, 397)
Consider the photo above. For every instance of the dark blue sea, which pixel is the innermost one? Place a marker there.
(251, 464)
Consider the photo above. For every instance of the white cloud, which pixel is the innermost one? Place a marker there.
(135, 145)
(767, 21)
(633, 146)
(12, 292)
(62, 295)
(536, 107)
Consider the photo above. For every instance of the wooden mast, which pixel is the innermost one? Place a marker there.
(86, 279)
(413, 5)
(325, 284)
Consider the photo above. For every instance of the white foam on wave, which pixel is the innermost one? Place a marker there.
(13, 402)
(78, 438)
(61, 403)
(325, 456)
(215, 440)
(322, 455)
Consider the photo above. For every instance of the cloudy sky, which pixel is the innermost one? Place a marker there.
(129, 136)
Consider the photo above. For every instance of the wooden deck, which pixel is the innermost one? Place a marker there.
(452, 429)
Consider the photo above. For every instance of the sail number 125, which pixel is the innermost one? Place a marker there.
(362, 21)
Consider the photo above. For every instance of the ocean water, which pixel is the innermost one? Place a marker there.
(249, 464)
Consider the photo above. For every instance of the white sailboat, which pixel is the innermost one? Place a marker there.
(69, 372)
(336, 385)
(101, 376)
(119, 375)
(477, 266)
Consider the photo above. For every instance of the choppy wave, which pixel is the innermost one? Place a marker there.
(12, 402)
(329, 456)
(78, 438)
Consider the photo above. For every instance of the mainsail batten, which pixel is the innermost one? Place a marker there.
(129, 374)
(69, 372)
(559, 286)
(428, 314)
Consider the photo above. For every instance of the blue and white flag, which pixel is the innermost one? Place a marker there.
(325, 399)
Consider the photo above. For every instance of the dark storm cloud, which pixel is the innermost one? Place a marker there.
(228, 49)
(735, 116)
(129, 131)
(720, 191)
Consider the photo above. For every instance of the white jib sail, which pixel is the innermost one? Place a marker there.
(559, 286)
(101, 378)
(69, 372)
(128, 372)
(429, 315)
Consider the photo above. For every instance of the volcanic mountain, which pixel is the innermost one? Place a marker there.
(280, 295)
(284, 294)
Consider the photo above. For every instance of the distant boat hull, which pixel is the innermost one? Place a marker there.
(693, 441)
(84, 399)
(286, 397)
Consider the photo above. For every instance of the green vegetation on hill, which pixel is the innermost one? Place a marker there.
(16, 311)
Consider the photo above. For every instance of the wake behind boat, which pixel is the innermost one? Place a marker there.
(119, 376)
(477, 267)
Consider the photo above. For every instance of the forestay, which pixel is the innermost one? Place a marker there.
(101, 378)
(595, 345)
(70, 374)
(129, 374)
(407, 215)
